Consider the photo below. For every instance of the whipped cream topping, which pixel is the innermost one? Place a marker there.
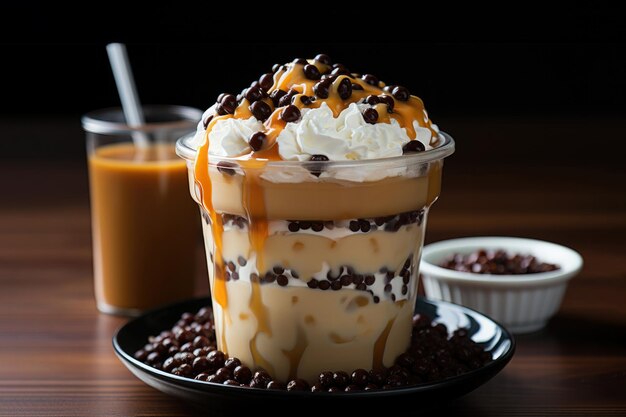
(318, 132)
(346, 137)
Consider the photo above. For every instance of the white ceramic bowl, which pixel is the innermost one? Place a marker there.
(522, 303)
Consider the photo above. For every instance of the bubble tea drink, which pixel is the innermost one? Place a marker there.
(314, 185)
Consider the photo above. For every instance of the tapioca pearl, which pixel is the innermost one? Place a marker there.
(282, 280)
(413, 146)
(269, 277)
(311, 72)
(254, 94)
(313, 283)
(317, 226)
(257, 140)
(406, 276)
(322, 88)
(323, 58)
(369, 279)
(336, 285)
(241, 261)
(260, 110)
(388, 100)
(324, 285)
(344, 88)
(346, 280)
(401, 93)
(370, 79)
(266, 81)
(226, 168)
(290, 114)
(276, 95)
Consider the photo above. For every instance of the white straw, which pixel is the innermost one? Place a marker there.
(127, 91)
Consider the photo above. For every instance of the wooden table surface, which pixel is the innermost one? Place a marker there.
(56, 357)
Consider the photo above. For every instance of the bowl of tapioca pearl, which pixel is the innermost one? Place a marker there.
(516, 281)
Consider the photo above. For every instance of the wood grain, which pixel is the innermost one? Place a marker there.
(55, 349)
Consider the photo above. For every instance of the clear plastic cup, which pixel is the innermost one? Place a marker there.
(313, 266)
(143, 222)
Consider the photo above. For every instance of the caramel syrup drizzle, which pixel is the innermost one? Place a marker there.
(290, 76)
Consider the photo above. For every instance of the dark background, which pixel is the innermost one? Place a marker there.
(556, 80)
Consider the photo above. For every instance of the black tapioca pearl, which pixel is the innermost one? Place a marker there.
(344, 89)
(282, 280)
(364, 225)
(324, 285)
(305, 225)
(257, 140)
(354, 225)
(278, 269)
(323, 58)
(336, 285)
(231, 266)
(269, 277)
(293, 227)
(406, 276)
(388, 288)
(407, 263)
(376, 299)
(285, 100)
(206, 121)
(254, 277)
(260, 110)
(388, 100)
(369, 279)
(226, 168)
(405, 290)
(400, 93)
(313, 283)
(266, 81)
(322, 88)
(357, 279)
(361, 287)
(346, 280)
(241, 261)
(276, 95)
(253, 94)
(370, 79)
(311, 72)
(370, 116)
(413, 146)
(234, 276)
(317, 226)
(372, 100)
(290, 113)
(392, 226)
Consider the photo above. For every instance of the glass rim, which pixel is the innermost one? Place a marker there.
(101, 121)
(187, 152)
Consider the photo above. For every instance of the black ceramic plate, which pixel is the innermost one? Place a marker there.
(228, 399)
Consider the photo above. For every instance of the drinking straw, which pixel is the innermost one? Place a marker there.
(128, 92)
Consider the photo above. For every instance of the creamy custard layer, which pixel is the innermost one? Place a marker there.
(311, 331)
(307, 253)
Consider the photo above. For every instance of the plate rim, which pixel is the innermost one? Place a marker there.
(220, 389)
